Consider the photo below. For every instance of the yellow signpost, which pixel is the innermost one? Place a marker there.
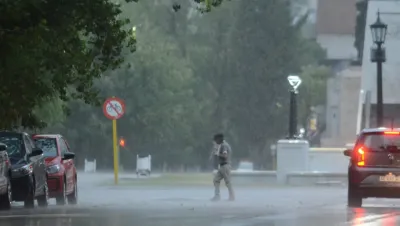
(114, 108)
(115, 150)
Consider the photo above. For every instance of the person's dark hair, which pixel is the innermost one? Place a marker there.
(219, 136)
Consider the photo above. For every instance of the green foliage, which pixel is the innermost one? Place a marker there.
(207, 5)
(262, 59)
(312, 91)
(53, 48)
(195, 74)
(51, 112)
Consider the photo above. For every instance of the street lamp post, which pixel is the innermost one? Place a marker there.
(294, 82)
(378, 55)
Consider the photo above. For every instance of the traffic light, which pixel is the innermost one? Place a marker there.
(122, 142)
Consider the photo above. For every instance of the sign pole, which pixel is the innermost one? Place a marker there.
(115, 150)
(114, 109)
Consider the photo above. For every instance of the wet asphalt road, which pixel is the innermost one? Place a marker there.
(155, 206)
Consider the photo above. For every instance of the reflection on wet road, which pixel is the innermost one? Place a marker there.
(374, 215)
(110, 206)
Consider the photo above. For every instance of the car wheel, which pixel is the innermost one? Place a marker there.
(43, 200)
(6, 199)
(73, 197)
(354, 199)
(61, 199)
(30, 199)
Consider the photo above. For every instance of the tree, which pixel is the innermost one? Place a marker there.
(312, 91)
(158, 91)
(196, 74)
(267, 48)
(52, 49)
(51, 112)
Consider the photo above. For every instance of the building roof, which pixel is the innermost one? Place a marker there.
(336, 17)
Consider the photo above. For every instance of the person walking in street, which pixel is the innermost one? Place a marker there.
(224, 171)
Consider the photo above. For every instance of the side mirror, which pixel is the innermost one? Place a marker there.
(36, 152)
(347, 152)
(68, 155)
(3, 147)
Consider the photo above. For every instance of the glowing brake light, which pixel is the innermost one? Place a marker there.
(391, 133)
(361, 157)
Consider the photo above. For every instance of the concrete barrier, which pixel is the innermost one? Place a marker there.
(254, 177)
(298, 178)
(327, 160)
(322, 166)
(316, 178)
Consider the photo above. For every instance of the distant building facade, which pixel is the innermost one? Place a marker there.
(335, 32)
(390, 14)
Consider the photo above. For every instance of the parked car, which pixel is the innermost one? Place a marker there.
(62, 176)
(5, 179)
(28, 170)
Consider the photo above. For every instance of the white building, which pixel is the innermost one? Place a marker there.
(336, 21)
(390, 14)
(335, 32)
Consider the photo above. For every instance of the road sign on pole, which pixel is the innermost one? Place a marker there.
(114, 108)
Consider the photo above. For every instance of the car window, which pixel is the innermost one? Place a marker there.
(63, 146)
(66, 143)
(28, 145)
(14, 142)
(48, 145)
(31, 141)
(378, 141)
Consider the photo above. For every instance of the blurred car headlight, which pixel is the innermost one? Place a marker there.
(24, 170)
(53, 169)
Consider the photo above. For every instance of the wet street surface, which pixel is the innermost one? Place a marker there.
(186, 206)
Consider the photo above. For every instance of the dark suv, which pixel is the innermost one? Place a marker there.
(374, 168)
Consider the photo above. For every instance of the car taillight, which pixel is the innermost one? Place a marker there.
(391, 133)
(360, 156)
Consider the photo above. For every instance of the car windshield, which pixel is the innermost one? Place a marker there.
(14, 145)
(380, 141)
(48, 145)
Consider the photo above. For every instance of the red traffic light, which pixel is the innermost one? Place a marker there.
(122, 142)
